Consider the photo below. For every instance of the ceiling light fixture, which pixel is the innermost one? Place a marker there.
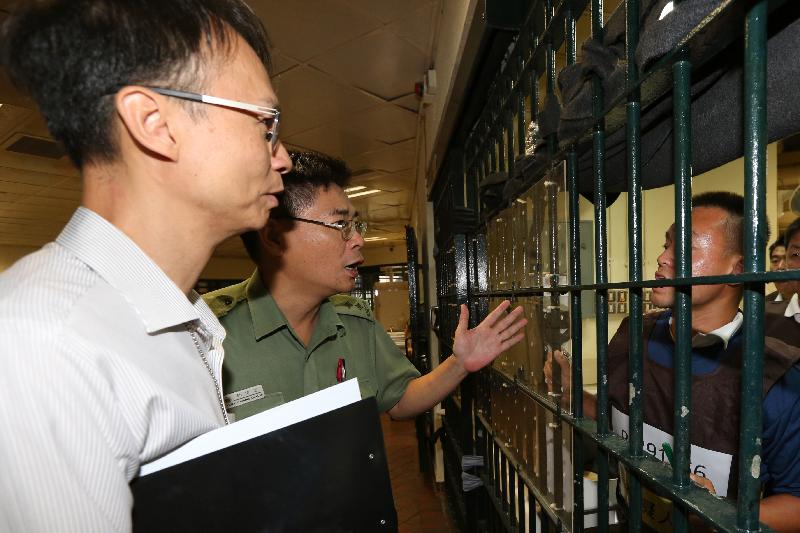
(369, 239)
(363, 193)
(354, 189)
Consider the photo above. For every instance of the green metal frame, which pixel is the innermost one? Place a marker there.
(512, 499)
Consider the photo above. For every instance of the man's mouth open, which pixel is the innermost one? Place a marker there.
(352, 268)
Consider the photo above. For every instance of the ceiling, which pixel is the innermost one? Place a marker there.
(344, 71)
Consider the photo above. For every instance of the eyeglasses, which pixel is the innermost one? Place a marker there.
(269, 116)
(347, 227)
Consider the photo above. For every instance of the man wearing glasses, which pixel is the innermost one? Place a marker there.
(109, 358)
(290, 330)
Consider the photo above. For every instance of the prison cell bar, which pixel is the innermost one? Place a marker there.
(755, 126)
(635, 352)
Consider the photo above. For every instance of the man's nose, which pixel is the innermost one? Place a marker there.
(281, 162)
(665, 257)
(356, 240)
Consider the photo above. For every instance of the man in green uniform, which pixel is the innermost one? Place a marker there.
(291, 332)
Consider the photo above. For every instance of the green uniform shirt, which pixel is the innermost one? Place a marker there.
(266, 364)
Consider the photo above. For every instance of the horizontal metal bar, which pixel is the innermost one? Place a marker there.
(754, 277)
(718, 512)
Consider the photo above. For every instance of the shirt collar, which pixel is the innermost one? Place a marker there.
(123, 265)
(722, 334)
(793, 308)
(265, 313)
(267, 316)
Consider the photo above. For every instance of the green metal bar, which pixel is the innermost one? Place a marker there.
(601, 261)
(682, 160)
(635, 249)
(576, 323)
(755, 156)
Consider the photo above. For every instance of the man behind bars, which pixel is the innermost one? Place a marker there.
(290, 330)
(716, 363)
(109, 359)
(777, 261)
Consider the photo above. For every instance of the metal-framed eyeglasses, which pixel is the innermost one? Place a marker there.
(269, 116)
(347, 227)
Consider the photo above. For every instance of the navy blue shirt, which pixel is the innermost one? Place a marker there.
(780, 438)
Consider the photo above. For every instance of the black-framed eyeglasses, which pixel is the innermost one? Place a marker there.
(269, 116)
(346, 227)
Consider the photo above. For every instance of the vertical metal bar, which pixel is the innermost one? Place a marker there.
(552, 141)
(534, 77)
(522, 86)
(576, 323)
(510, 130)
(755, 155)
(601, 296)
(521, 503)
(635, 249)
(682, 161)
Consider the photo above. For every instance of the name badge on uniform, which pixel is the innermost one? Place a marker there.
(241, 397)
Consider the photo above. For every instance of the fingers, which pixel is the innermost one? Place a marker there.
(463, 318)
(510, 318)
(704, 483)
(508, 343)
(496, 313)
(514, 328)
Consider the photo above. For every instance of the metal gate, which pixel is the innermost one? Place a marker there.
(519, 248)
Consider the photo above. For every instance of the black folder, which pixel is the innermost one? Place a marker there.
(325, 474)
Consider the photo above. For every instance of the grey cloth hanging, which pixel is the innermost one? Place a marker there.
(716, 109)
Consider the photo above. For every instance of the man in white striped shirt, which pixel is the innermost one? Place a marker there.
(108, 358)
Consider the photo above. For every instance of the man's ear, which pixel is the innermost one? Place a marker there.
(272, 238)
(145, 117)
(738, 267)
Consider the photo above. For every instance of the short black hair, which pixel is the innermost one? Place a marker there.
(733, 204)
(73, 55)
(780, 241)
(791, 231)
(311, 172)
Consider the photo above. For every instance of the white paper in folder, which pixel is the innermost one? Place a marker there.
(279, 417)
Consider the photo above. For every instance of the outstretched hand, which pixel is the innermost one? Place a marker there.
(477, 347)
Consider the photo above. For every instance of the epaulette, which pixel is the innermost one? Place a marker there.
(221, 301)
(348, 305)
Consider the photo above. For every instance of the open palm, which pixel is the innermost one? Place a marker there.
(477, 347)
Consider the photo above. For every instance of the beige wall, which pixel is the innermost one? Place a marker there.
(10, 254)
(384, 255)
(228, 268)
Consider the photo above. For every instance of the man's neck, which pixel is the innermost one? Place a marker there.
(708, 318)
(297, 304)
(177, 242)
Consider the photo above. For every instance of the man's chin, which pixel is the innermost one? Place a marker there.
(662, 302)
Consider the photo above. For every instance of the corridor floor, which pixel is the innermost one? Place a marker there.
(419, 504)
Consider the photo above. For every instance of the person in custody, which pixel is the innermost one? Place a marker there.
(292, 332)
(110, 359)
(717, 338)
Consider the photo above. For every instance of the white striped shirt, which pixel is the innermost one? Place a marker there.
(98, 375)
